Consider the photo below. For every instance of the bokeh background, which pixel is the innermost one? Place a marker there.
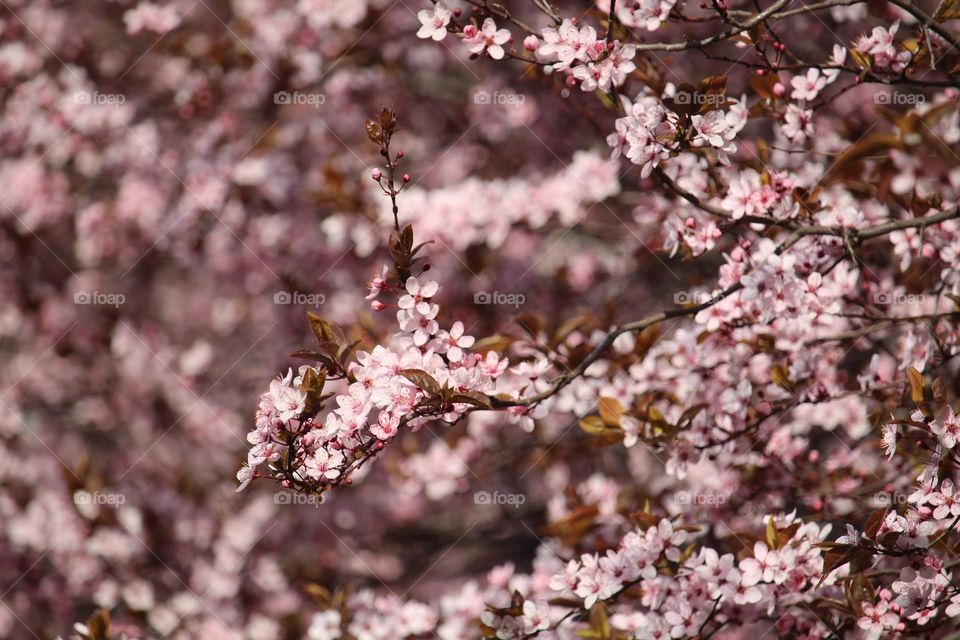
(179, 183)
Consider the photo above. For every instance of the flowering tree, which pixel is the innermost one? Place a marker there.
(630, 319)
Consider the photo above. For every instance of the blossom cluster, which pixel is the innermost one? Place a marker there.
(387, 386)
(650, 132)
(704, 388)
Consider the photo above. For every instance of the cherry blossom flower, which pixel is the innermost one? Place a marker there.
(797, 124)
(418, 296)
(324, 464)
(877, 619)
(453, 343)
(889, 439)
(881, 46)
(948, 429)
(567, 44)
(488, 38)
(434, 23)
(807, 86)
(714, 129)
(947, 503)
(283, 399)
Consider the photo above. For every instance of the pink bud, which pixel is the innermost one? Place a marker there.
(690, 223)
(470, 31)
(378, 306)
(376, 174)
(406, 177)
(779, 89)
(531, 43)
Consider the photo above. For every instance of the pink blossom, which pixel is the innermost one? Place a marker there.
(807, 86)
(488, 38)
(434, 23)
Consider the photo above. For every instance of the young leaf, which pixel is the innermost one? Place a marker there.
(472, 397)
(595, 426)
(422, 380)
(98, 625)
(915, 378)
(610, 411)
